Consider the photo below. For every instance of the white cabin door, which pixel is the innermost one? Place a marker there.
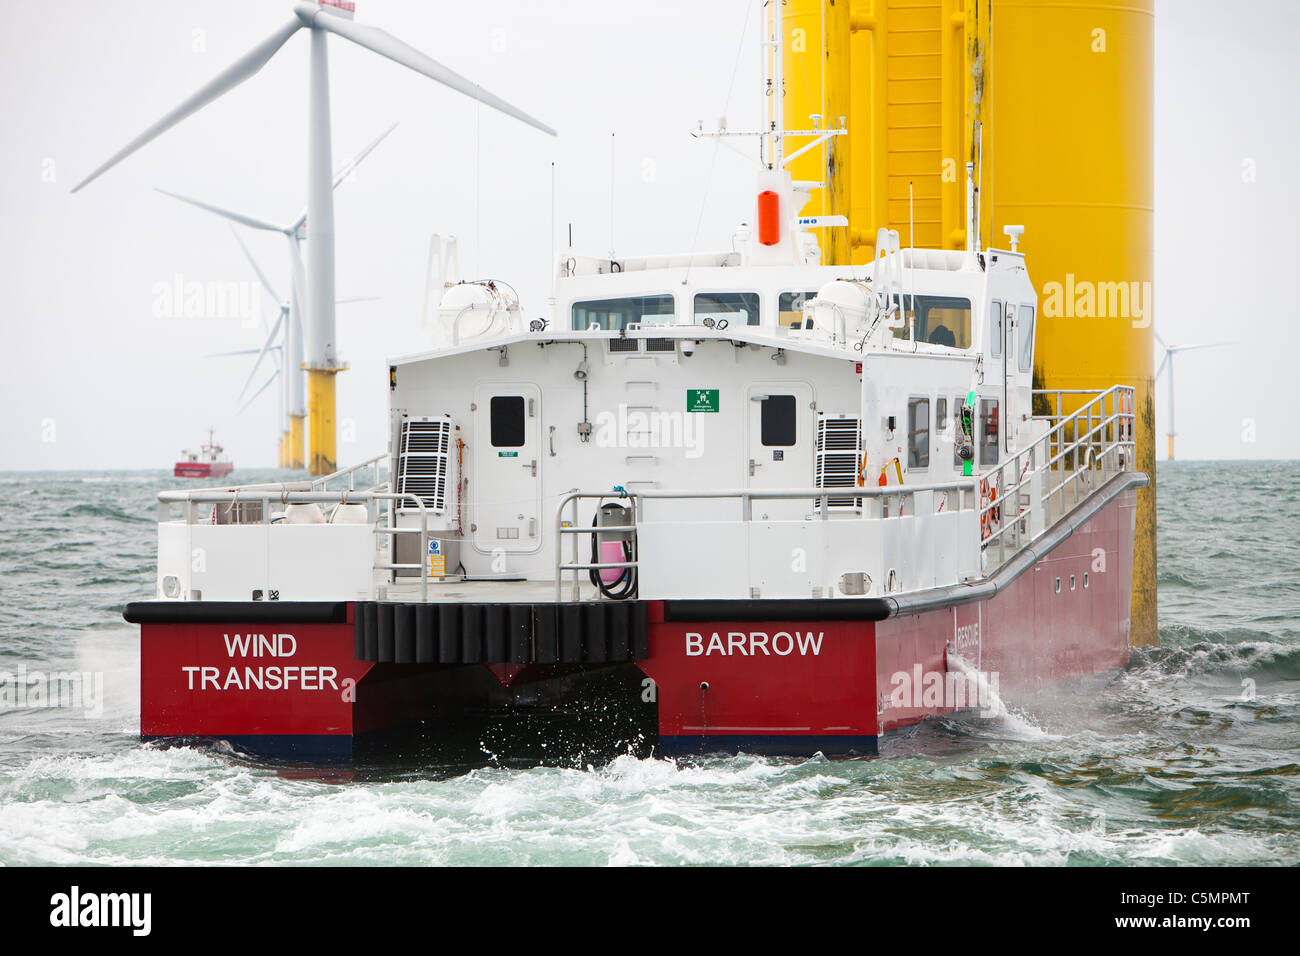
(779, 446)
(505, 485)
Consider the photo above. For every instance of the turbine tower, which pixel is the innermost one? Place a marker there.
(275, 345)
(1168, 362)
(320, 19)
(291, 453)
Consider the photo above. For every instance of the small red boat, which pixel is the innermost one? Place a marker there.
(209, 461)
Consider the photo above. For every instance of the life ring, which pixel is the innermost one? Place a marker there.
(988, 515)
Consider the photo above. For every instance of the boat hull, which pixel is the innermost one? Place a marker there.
(461, 684)
(202, 469)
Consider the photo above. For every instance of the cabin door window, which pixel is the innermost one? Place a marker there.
(505, 486)
(1006, 350)
(779, 445)
(988, 426)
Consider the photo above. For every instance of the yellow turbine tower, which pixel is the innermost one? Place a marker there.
(1052, 101)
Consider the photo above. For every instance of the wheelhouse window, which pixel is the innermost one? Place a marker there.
(939, 320)
(1026, 333)
(918, 432)
(789, 306)
(996, 335)
(507, 421)
(737, 308)
(612, 315)
(988, 431)
(777, 425)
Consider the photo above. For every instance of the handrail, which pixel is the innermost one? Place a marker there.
(351, 473)
(747, 497)
(1108, 421)
(342, 496)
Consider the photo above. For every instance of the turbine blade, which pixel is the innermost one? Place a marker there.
(266, 347)
(358, 298)
(274, 348)
(343, 173)
(1163, 363)
(238, 217)
(223, 82)
(355, 161)
(266, 283)
(1158, 338)
(265, 386)
(387, 45)
(1201, 345)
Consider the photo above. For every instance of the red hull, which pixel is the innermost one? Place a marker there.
(780, 679)
(202, 469)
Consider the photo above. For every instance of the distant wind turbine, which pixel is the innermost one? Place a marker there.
(290, 440)
(321, 19)
(294, 232)
(1168, 362)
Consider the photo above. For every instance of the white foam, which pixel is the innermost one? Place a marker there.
(1016, 723)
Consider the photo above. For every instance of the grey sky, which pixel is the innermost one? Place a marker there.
(90, 366)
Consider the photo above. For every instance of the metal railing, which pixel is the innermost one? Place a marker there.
(1030, 488)
(1079, 452)
(236, 498)
(350, 473)
(882, 500)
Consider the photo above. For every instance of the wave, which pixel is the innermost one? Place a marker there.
(85, 510)
(1266, 659)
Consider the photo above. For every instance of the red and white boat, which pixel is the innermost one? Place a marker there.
(717, 501)
(209, 461)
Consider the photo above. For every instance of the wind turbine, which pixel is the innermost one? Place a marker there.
(1168, 362)
(289, 455)
(294, 232)
(320, 18)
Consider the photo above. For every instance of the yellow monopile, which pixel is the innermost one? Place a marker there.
(1053, 104)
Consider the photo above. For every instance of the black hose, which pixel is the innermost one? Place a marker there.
(622, 587)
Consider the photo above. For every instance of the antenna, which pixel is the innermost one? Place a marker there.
(778, 83)
(970, 210)
(611, 197)
(979, 156)
(553, 267)
(911, 263)
(911, 218)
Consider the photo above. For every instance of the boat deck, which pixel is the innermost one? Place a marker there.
(486, 591)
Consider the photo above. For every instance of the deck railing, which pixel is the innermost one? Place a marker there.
(890, 501)
(1018, 498)
(1079, 451)
(382, 505)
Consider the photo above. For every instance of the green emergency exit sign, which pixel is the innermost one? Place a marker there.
(701, 399)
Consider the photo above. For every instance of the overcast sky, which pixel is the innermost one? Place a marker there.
(95, 377)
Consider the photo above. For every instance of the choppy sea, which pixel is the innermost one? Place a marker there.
(1190, 756)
